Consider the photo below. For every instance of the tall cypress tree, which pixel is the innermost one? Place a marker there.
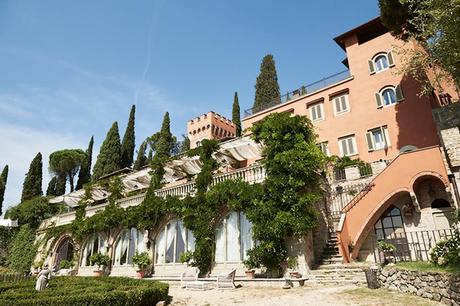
(165, 142)
(51, 190)
(236, 116)
(109, 157)
(3, 180)
(84, 176)
(141, 159)
(267, 88)
(32, 186)
(128, 143)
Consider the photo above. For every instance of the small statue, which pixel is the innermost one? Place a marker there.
(43, 277)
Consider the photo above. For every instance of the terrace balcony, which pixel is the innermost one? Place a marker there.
(303, 91)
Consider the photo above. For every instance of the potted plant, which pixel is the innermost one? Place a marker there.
(101, 261)
(388, 250)
(186, 257)
(250, 265)
(142, 261)
(293, 264)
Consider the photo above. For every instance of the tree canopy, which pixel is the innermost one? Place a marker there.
(84, 176)
(109, 158)
(267, 88)
(33, 211)
(128, 143)
(66, 163)
(236, 116)
(32, 185)
(3, 181)
(141, 159)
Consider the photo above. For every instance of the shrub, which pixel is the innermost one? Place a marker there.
(77, 291)
(386, 246)
(66, 264)
(142, 260)
(22, 250)
(447, 252)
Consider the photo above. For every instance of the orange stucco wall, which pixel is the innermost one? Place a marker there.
(409, 122)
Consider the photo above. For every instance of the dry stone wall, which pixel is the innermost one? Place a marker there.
(441, 287)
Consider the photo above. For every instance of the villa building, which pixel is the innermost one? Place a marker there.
(403, 191)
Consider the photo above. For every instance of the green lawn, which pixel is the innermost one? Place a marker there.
(427, 266)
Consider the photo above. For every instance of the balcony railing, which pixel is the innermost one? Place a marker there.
(303, 90)
(252, 174)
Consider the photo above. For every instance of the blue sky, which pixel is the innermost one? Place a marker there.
(68, 69)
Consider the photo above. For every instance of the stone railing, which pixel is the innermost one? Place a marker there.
(252, 174)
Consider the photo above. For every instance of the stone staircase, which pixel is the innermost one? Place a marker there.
(332, 270)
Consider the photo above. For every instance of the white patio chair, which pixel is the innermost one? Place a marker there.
(189, 275)
(227, 280)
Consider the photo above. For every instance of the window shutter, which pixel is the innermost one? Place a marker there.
(371, 66)
(343, 99)
(370, 143)
(319, 114)
(391, 62)
(351, 147)
(386, 136)
(337, 105)
(378, 98)
(399, 93)
(313, 113)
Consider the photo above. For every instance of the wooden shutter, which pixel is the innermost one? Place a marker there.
(386, 136)
(313, 113)
(319, 113)
(370, 141)
(391, 62)
(371, 66)
(343, 100)
(378, 98)
(337, 105)
(351, 146)
(399, 94)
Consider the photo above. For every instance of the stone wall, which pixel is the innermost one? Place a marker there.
(442, 287)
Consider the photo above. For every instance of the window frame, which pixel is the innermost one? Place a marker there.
(164, 231)
(315, 106)
(346, 138)
(370, 138)
(381, 55)
(324, 147)
(347, 103)
(135, 244)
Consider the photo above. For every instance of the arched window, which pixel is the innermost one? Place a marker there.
(173, 240)
(388, 95)
(390, 225)
(128, 242)
(381, 62)
(65, 251)
(233, 238)
(95, 244)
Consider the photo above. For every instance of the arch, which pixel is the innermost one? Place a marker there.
(381, 61)
(423, 174)
(127, 243)
(428, 187)
(96, 243)
(63, 250)
(407, 148)
(233, 238)
(388, 95)
(379, 209)
(173, 239)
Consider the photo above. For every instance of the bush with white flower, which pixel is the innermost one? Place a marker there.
(447, 252)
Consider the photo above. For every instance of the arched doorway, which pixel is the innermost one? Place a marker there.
(64, 251)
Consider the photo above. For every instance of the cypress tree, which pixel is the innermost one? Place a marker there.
(236, 115)
(32, 186)
(141, 159)
(267, 88)
(165, 143)
(109, 156)
(60, 185)
(84, 176)
(51, 190)
(3, 180)
(128, 143)
(150, 156)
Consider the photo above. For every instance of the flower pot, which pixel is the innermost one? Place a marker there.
(295, 274)
(250, 274)
(140, 273)
(98, 273)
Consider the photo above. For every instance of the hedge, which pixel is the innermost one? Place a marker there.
(79, 291)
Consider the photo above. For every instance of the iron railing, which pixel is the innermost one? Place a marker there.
(303, 90)
(341, 196)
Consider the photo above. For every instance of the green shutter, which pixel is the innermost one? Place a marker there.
(370, 143)
(384, 135)
(378, 98)
(399, 94)
(371, 67)
(391, 62)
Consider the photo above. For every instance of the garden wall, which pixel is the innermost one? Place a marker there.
(442, 287)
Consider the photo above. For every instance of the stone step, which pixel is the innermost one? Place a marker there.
(337, 271)
(336, 282)
(340, 266)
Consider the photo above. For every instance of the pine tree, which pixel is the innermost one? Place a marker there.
(67, 163)
(32, 186)
(109, 156)
(128, 143)
(51, 190)
(84, 176)
(60, 185)
(3, 180)
(236, 115)
(141, 159)
(267, 88)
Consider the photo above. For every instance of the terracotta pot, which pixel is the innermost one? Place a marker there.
(140, 273)
(295, 274)
(250, 274)
(98, 273)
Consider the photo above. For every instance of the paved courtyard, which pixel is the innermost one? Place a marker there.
(324, 295)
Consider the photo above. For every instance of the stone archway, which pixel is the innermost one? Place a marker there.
(64, 250)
